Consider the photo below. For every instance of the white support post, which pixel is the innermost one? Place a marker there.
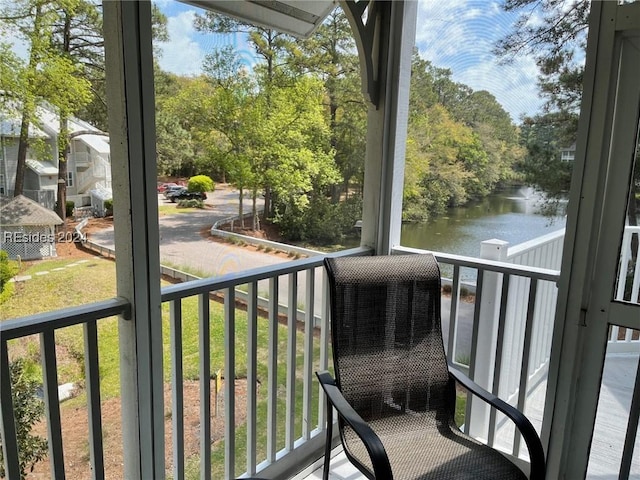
(129, 72)
(387, 131)
(487, 329)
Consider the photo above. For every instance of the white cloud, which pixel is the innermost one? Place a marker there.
(182, 53)
(461, 34)
(186, 49)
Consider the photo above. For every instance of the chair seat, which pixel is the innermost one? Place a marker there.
(448, 454)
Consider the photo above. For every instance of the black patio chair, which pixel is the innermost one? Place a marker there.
(394, 390)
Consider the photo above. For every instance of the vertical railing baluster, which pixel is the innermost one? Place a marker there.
(7, 420)
(497, 371)
(632, 428)
(229, 382)
(204, 347)
(252, 376)
(474, 344)
(324, 348)
(291, 361)
(308, 353)
(526, 352)
(52, 403)
(92, 380)
(272, 380)
(453, 314)
(177, 388)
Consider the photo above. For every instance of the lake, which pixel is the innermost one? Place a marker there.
(511, 215)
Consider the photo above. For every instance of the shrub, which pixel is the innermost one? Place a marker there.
(8, 269)
(108, 207)
(68, 208)
(200, 183)
(28, 410)
(191, 203)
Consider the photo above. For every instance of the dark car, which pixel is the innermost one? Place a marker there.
(184, 194)
(172, 189)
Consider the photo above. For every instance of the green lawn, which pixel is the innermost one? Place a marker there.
(42, 293)
(95, 280)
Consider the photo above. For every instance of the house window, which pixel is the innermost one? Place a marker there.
(69, 179)
(3, 189)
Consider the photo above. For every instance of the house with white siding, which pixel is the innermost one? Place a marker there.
(88, 167)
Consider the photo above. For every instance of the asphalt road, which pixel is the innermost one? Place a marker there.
(182, 245)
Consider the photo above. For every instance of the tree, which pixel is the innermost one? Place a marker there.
(555, 33)
(28, 409)
(31, 19)
(331, 54)
(461, 143)
(544, 136)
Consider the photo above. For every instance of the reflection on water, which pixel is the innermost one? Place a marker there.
(511, 215)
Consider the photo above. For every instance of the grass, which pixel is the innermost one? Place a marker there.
(172, 209)
(42, 293)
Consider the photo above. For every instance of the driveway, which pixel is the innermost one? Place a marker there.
(183, 246)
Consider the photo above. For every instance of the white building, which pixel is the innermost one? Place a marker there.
(88, 166)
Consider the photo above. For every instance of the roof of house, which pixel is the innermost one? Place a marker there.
(10, 127)
(22, 211)
(41, 167)
(99, 143)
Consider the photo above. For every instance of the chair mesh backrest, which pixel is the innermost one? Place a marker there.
(388, 351)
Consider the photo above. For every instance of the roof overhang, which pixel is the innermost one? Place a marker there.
(296, 17)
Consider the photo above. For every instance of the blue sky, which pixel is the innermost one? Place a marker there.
(454, 34)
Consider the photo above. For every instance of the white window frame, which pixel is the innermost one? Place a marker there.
(70, 178)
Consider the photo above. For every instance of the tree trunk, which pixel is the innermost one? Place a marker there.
(28, 106)
(255, 223)
(63, 155)
(267, 204)
(240, 207)
(23, 145)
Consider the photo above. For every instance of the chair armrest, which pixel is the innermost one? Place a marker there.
(377, 453)
(531, 438)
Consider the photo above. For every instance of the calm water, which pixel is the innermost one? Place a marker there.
(511, 216)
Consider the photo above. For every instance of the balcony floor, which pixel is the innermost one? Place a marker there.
(613, 410)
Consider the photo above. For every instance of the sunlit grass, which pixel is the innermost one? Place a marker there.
(95, 280)
(172, 209)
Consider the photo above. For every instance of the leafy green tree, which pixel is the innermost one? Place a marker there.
(31, 19)
(331, 54)
(28, 409)
(461, 143)
(295, 155)
(174, 148)
(555, 33)
(544, 136)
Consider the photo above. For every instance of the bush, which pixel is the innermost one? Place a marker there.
(191, 203)
(27, 410)
(8, 269)
(200, 183)
(108, 207)
(322, 223)
(68, 208)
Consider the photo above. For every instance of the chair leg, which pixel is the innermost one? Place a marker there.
(327, 445)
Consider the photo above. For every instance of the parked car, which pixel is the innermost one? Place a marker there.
(184, 194)
(171, 189)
